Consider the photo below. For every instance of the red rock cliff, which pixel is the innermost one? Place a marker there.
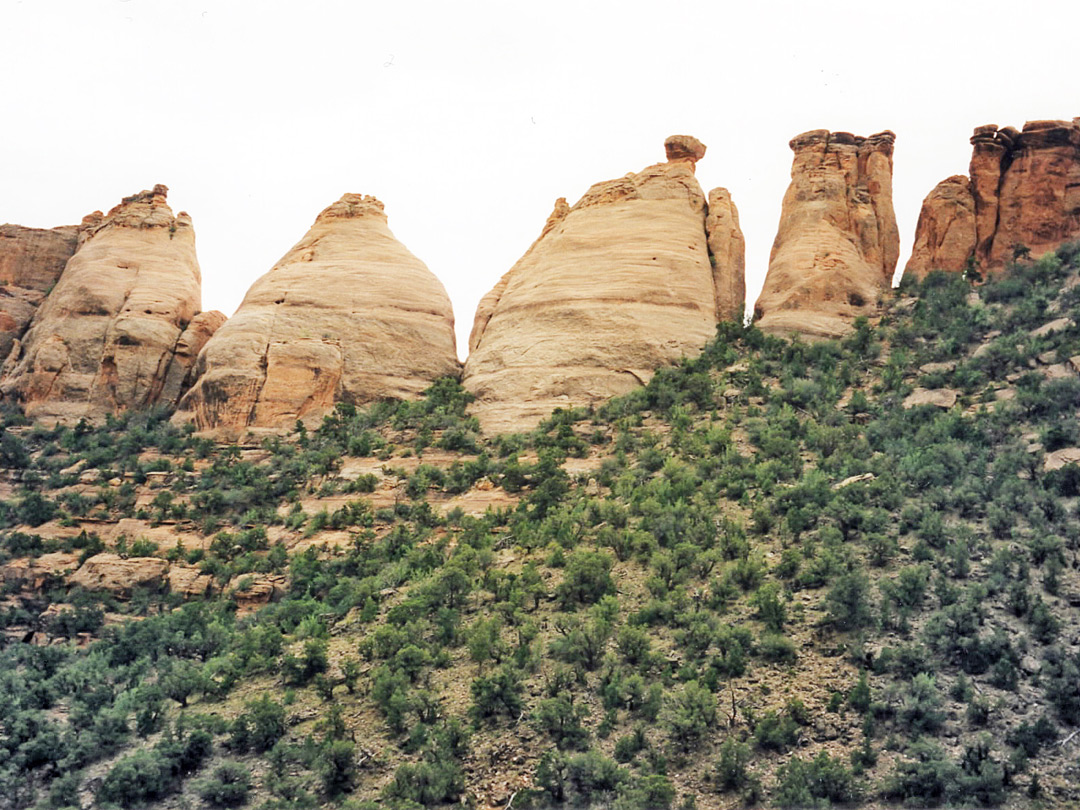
(1023, 190)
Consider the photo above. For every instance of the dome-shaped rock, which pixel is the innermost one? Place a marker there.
(347, 315)
(104, 338)
(617, 285)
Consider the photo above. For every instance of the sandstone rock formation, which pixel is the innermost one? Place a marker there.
(837, 244)
(347, 315)
(31, 261)
(120, 575)
(104, 338)
(181, 374)
(614, 287)
(1023, 191)
(945, 236)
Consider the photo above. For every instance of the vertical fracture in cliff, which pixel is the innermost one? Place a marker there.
(105, 338)
(347, 315)
(31, 261)
(837, 244)
(1022, 192)
(634, 276)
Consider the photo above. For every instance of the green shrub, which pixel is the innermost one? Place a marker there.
(227, 786)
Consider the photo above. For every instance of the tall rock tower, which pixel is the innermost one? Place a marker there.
(837, 244)
(347, 315)
(634, 276)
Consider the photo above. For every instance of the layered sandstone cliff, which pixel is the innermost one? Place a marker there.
(347, 315)
(1023, 191)
(837, 244)
(31, 261)
(615, 286)
(103, 340)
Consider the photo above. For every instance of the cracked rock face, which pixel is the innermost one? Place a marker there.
(31, 261)
(103, 340)
(617, 285)
(837, 244)
(1022, 191)
(347, 315)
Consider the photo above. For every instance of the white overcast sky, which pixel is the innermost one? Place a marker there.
(468, 119)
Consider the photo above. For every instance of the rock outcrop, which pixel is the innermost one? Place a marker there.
(945, 236)
(31, 261)
(615, 286)
(347, 315)
(106, 335)
(120, 575)
(181, 374)
(1023, 191)
(837, 244)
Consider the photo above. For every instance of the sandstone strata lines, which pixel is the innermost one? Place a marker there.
(615, 286)
(347, 315)
(104, 339)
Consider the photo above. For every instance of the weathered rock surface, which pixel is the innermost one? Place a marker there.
(727, 250)
(614, 287)
(943, 398)
(181, 374)
(34, 573)
(31, 261)
(1023, 191)
(120, 575)
(837, 244)
(1059, 458)
(347, 315)
(189, 581)
(104, 338)
(945, 235)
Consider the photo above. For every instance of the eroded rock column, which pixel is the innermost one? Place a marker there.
(837, 244)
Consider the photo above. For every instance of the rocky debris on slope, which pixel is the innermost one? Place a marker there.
(347, 315)
(120, 575)
(189, 581)
(250, 592)
(104, 338)
(615, 286)
(1023, 191)
(837, 244)
(1060, 458)
(31, 261)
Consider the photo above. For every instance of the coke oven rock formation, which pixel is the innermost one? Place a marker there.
(105, 337)
(1023, 190)
(634, 276)
(837, 244)
(347, 315)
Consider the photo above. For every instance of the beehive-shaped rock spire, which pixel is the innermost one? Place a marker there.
(104, 339)
(347, 315)
(617, 285)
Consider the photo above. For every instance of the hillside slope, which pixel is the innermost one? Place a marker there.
(782, 573)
